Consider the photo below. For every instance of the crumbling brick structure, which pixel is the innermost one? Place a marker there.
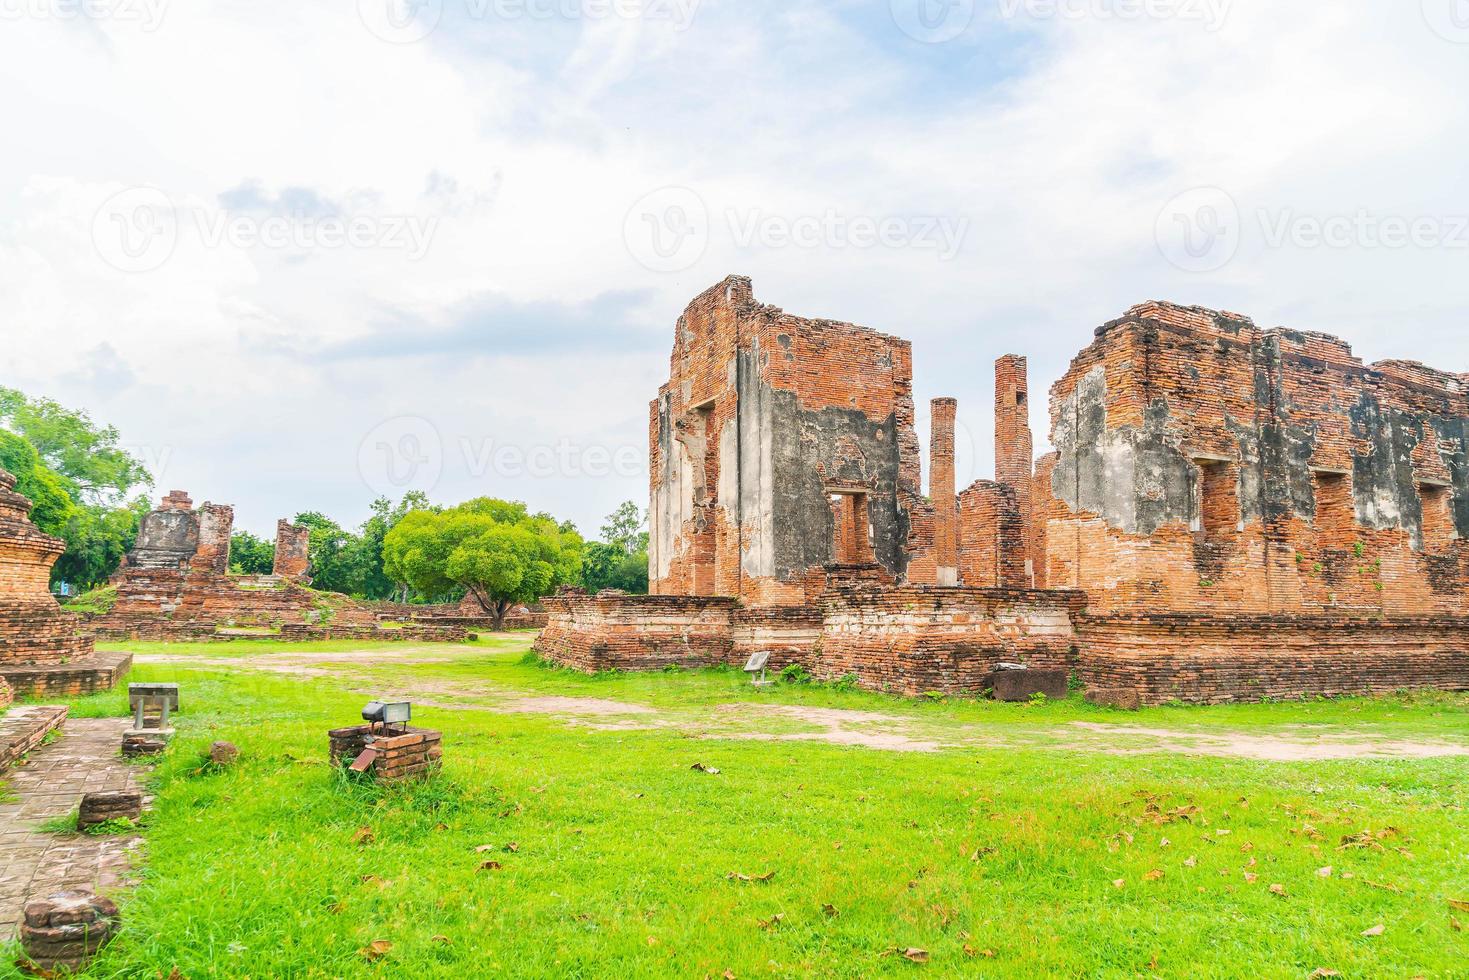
(1258, 512)
(1229, 513)
(292, 552)
(779, 445)
(42, 649)
(176, 584)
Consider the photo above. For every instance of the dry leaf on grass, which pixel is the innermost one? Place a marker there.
(483, 848)
(1324, 872)
(915, 955)
(1155, 875)
(1323, 974)
(363, 836)
(1376, 930)
(491, 866)
(512, 847)
(1118, 882)
(1277, 889)
(441, 940)
(700, 767)
(375, 880)
(1455, 924)
(736, 876)
(772, 922)
(375, 950)
(1455, 903)
(1250, 879)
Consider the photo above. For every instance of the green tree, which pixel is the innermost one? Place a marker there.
(86, 455)
(620, 559)
(338, 563)
(495, 549)
(376, 583)
(251, 555)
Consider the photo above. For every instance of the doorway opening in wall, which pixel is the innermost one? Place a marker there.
(706, 482)
(1335, 513)
(1217, 521)
(1438, 517)
(851, 529)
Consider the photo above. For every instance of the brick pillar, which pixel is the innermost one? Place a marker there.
(1014, 447)
(941, 488)
(216, 525)
(292, 550)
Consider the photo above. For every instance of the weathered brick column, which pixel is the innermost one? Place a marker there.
(941, 488)
(1014, 445)
(292, 550)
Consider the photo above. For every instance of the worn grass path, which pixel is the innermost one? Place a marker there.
(1001, 840)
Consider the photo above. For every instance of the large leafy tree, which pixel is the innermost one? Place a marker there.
(251, 555)
(98, 471)
(620, 559)
(494, 549)
(78, 481)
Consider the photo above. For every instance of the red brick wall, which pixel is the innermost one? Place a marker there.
(1213, 659)
(992, 552)
(911, 640)
(292, 550)
(943, 491)
(1290, 422)
(1014, 446)
(33, 629)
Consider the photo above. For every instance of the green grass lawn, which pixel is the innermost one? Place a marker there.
(610, 856)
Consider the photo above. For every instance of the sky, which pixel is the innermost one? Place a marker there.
(304, 254)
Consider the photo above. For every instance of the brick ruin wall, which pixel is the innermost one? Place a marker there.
(1258, 513)
(33, 628)
(911, 640)
(292, 551)
(1210, 478)
(175, 583)
(778, 446)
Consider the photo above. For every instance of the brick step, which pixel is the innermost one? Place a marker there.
(25, 727)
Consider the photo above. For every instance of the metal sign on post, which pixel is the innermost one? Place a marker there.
(756, 664)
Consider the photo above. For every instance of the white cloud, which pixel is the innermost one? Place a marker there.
(525, 142)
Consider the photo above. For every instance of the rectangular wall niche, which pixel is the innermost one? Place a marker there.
(1218, 516)
(851, 529)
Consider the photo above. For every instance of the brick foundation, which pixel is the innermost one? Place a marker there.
(413, 755)
(1212, 659)
(87, 675)
(912, 640)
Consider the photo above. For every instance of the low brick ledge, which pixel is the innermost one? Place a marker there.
(84, 675)
(25, 727)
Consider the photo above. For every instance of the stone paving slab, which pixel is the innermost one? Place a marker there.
(85, 759)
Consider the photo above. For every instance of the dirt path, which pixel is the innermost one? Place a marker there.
(750, 720)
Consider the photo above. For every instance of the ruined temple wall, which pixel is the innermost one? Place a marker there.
(993, 546)
(765, 416)
(292, 550)
(1206, 465)
(33, 628)
(216, 525)
(913, 640)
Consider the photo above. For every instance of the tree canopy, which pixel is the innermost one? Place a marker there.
(620, 559)
(495, 549)
(78, 479)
